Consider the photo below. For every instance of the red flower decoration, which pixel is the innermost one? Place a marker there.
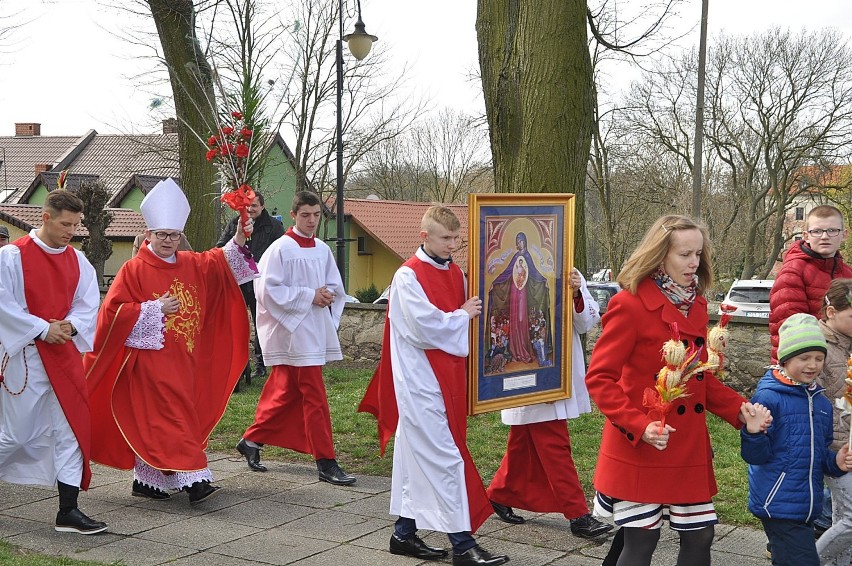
(230, 148)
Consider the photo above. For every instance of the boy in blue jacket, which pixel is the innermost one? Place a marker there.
(787, 462)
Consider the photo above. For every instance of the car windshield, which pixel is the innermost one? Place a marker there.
(749, 295)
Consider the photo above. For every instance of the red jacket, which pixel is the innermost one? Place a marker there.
(625, 361)
(801, 285)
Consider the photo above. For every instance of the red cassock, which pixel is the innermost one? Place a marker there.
(163, 404)
(538, 473)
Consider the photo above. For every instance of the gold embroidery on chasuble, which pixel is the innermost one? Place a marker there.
(185, 324)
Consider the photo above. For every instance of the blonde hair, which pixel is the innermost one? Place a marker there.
(440, 215)
(652, 250)
(823, 211)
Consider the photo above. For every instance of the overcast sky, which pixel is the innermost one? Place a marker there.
(69, 73)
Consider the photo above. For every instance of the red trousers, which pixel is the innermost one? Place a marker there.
(293, 413)
(538, 473)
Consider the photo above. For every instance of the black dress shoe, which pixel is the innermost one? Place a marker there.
(252, 456)
(478, 556)
(589, 527)
(507, 514)
(329, 471)
(200, 490)
(415, 547)
(142, 490)
(75, 521)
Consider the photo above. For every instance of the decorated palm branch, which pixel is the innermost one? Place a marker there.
(230, 148)
(682, 364)
(717, 341)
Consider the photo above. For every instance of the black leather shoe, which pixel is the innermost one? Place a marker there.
(589, 527)
(507, 514)
(75, 521)
(200, 490)
(329, 471)
(478, 556)
(142, 490)
(417, 548)
(252, 456)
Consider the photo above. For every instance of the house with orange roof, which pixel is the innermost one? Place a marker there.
(385, 233)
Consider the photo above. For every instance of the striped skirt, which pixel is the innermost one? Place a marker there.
(689, 517)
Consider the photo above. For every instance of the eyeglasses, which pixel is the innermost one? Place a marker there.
(172, 236)
(818, 232)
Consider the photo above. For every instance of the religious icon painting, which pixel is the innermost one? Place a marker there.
(520, 252)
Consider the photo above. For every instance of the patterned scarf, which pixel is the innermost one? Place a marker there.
(680, 296)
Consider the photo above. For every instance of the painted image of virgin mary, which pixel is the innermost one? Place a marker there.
(519, 311)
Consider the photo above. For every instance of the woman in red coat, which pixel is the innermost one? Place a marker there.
(645, 471)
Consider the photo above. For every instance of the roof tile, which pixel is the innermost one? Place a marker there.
(396, 224)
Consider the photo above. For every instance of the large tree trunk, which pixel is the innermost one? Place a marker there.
(537, 80)
(195, 103)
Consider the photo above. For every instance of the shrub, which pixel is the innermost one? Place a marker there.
(368, 294)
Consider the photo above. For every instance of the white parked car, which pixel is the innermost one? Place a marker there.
(749, 297)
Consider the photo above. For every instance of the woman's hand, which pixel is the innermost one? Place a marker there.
(756, 417)
(656, 435)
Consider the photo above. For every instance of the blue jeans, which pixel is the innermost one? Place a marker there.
(791, 542)
(405, 528)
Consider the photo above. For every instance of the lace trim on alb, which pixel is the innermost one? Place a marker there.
(240, 261)
(175, 481)
(149, 332)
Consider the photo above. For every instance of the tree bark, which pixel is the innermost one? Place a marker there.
(537, 80)
(191, 78)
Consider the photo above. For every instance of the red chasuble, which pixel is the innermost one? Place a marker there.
(445, 290)
(163, 404)
(50, 281)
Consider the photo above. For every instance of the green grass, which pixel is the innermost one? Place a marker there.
(11, 555)
(358, 448)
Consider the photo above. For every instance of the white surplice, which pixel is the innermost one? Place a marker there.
(291, 329)
(428, 482)
(37, 445)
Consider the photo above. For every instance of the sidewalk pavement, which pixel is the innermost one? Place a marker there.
(287, 516)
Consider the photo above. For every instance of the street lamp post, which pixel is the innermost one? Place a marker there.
(360, 42)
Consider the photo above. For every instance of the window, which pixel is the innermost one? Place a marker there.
(800, 213)
(362, 246)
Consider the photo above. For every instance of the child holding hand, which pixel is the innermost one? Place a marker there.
(788, 460)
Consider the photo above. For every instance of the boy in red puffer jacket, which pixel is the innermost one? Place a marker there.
(809, 267)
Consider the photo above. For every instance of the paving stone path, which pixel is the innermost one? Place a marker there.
(286, 516)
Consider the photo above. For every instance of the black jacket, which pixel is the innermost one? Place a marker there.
(266, 231)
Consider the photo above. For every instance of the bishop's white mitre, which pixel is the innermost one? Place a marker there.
(165, 207)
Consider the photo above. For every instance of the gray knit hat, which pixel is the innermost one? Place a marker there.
(799, 334)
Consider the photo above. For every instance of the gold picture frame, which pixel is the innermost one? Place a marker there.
(520, 253)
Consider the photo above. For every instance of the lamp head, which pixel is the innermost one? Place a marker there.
(360, 42)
